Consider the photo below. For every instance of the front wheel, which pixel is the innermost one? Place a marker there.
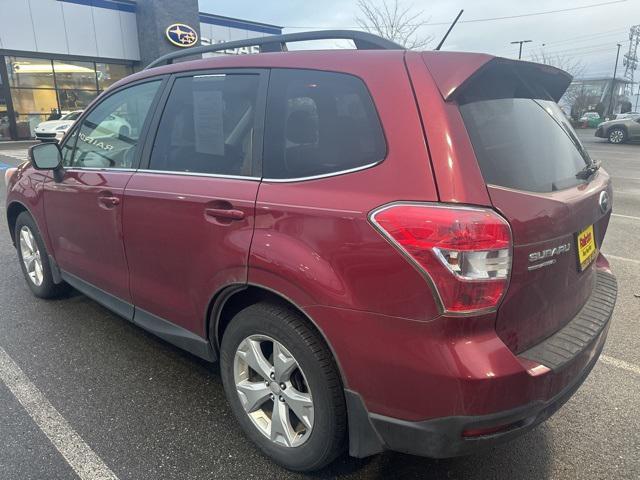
(34, 259)
(283, 387)
(617, 135)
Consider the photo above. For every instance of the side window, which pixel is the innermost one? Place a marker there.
(109, 135)
(319, 123)
(208, 125)
(68, 148)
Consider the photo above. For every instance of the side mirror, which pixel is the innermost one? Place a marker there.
(45, 156)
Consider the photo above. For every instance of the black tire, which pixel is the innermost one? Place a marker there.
(48, 288)
(327, 438)
(617, 135)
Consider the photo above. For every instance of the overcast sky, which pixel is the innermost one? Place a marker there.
(588, 34)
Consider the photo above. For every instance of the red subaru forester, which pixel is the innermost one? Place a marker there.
(384, 249)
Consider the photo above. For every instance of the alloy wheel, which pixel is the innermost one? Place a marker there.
(273, 390)
(616, 136)
(31, 256)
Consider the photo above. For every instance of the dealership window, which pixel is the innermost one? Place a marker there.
(207, 125)
(43, 89)
(5, 130)
(30, 72)
(75, 75)
(110, 73)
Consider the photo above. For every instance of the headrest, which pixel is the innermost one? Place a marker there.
(302, 127)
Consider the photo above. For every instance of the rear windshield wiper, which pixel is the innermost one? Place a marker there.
(588, 171)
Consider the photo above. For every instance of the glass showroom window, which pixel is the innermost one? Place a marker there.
(43, 89)
(5, 130)
(110, 73)
(30, 72)
(76, 83)
(33, 92)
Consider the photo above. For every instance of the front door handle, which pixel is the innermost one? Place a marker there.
(109, 201)
(224, 213)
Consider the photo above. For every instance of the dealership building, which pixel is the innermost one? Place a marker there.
(58, 55)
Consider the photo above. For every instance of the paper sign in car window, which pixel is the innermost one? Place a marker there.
(208, 110)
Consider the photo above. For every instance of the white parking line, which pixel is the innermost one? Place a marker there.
(78, 454)
(624, 259)
(625, 216)
(630, 367)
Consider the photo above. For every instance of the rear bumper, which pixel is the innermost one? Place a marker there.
(445, 437)
(549, 375)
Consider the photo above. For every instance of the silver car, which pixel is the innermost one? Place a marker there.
(620, 130)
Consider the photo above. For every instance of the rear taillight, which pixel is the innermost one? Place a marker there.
(464, 251)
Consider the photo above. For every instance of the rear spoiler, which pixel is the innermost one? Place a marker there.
(457, 73)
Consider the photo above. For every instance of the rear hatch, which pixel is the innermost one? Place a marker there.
(542, 180)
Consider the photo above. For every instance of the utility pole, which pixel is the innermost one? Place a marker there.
(613, 83)
(637, 98)
(521, 42)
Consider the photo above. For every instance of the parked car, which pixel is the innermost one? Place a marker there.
(374, 244)
(590, 120)
(620, 116)
(620, 130)
(54, 130)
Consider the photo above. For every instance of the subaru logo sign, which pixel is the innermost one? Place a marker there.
(182, 35)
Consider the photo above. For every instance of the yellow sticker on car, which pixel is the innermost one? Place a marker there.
(587, 250)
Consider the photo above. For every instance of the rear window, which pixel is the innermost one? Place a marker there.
(319, 123)
(521, 138)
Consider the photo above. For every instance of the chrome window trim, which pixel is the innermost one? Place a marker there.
(100, 169)
(197, 174)
(323, 175)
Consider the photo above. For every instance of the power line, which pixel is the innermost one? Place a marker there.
(488, 19)
(585, 38)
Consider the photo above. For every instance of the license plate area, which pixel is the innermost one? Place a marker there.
(586, 247)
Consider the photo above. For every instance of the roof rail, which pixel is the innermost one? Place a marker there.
(278, 43)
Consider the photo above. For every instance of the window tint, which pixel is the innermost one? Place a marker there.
(319, 123)
(109, 135)
(524, 143)
(208, 125)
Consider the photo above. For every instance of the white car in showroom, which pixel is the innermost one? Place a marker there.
(54, 130)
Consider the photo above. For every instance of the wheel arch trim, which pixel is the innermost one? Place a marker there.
(223, 295)
(14, 204)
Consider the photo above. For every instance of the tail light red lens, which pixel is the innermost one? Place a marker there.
(464, 251)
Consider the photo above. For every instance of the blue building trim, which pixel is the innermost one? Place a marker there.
(241, 24)
(121, 5)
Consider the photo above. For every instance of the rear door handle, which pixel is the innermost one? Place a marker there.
(225, 213)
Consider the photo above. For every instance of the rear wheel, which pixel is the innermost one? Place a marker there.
(617, 135)
(34, 259)
(283, 387)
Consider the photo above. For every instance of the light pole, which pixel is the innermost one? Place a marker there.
(521, 42)
(613, 82)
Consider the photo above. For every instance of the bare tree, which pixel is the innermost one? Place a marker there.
(395, 22)
(573, 66)
(574, 98)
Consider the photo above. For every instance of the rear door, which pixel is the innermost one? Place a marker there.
(537, 175)
(189, 212)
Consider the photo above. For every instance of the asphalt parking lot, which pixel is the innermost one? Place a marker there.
(146, 410)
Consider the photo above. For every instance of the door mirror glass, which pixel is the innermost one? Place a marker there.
(45, 156)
